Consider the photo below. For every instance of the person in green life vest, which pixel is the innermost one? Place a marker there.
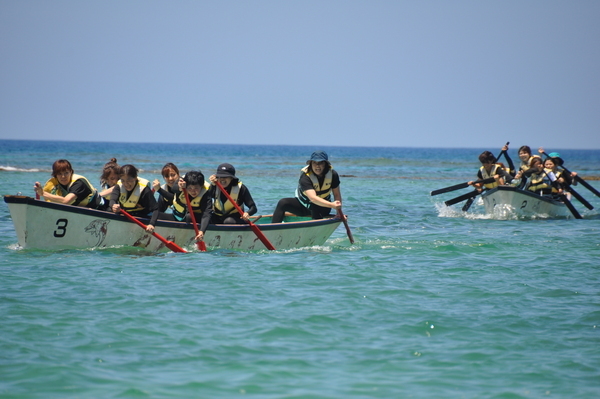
(66, 187)
(317, 184)
(224, 212)
(134, 194)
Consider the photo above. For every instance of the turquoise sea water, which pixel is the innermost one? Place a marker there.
(428, 303)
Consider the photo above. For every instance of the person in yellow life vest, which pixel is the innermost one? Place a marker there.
(66, 187)
(317, 185)
(547, 179)
(490, 168)
(569, 178)
(200, 200)
(526, 158)
(134, 194)
(224, 212)
(170, 173)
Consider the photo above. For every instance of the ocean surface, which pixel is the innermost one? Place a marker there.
(430, 302)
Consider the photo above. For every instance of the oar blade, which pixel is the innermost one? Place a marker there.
(461, 198)
(348, 232)
(468, 204)
(261, 237)
(169, 244)
(254, 227)
(199, 244)
(569, 205)
(174, 247)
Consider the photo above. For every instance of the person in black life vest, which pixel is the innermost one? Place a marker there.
(134, 194)
(490, 168)
(318, 182)
(66, 187)
(224, 212)
(198, 192)
(170, 173)
(109, 177)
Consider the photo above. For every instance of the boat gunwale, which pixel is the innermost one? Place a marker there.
(26, 200)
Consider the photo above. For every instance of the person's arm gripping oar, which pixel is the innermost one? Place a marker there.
(254, 227)
(169, 244)
(200, 244)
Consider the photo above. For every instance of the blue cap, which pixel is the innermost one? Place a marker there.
(318, 156)
(556, 157)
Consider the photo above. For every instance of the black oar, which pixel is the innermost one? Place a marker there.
(569, 205)
(461, 185)
(463, 197)
(579, 197)
(583, 182)
(579, 179)
(468, 204)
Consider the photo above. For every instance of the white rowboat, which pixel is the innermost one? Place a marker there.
(46, 225)
(507, 199)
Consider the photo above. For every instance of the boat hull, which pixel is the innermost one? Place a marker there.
(47, 225)
(507, 199)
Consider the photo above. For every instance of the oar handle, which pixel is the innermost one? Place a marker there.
(462, 185)
(502, 152)
(254, 227)
(170, 244)
(200, 244)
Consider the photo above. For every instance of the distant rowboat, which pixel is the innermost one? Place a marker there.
(47, 225)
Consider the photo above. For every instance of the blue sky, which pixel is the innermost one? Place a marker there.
(355, 73)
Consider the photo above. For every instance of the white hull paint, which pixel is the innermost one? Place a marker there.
(507, 199)
(46, 225)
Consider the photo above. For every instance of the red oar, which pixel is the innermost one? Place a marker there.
(348, 232)
(170, 244)
(200, 244)
(254, 227)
